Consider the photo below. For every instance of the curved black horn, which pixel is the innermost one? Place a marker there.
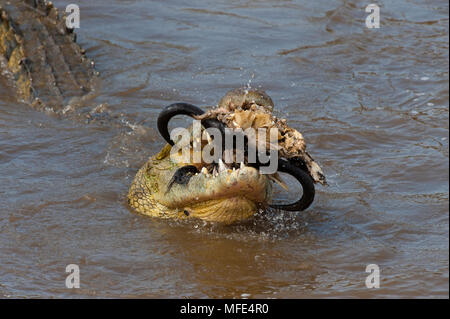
(170, 111)
(304, 179)
(183, 109)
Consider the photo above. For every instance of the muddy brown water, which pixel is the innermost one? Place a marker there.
(372, 105)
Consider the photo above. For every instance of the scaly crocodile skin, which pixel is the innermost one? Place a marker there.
(227, 198)
(47, 67)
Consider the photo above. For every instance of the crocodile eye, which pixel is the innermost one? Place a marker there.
(182, 176)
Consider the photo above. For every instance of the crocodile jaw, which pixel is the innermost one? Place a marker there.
(229, 197)
(245, 182)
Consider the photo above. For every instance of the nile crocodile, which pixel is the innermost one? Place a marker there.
(49, 70)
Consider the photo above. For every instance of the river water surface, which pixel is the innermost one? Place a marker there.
(371, 103)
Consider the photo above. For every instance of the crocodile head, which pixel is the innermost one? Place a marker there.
(170, 186)
(166, 187)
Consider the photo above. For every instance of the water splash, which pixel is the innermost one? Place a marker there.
(248, 86)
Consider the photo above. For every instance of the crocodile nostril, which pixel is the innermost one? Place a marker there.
(186, 213)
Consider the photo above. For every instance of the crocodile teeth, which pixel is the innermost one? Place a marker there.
(242, 165)
(222, 166)
(215, 172)
(204, 171)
